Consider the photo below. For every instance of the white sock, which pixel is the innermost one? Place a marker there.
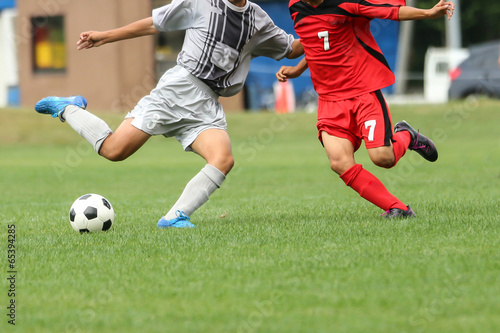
(90, 127)
(197, 191)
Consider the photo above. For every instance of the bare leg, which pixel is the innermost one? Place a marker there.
(382, 156)
(214, 146)
(125, 141)
(340, 152)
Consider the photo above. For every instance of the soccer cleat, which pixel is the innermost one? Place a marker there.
(419, 143)
(55, 106)
(395, 213)
(181, 221)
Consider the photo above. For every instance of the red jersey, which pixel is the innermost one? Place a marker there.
(342, 55)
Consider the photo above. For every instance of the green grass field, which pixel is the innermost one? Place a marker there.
(283, 246)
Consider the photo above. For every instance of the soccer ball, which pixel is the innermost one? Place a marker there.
(91, 213)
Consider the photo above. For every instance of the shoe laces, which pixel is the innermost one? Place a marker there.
(182, 215)
(386, 212)
(415, 146)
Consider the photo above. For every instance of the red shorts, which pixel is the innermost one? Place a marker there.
(364, 117)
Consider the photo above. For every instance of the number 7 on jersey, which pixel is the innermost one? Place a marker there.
(324, 35)
(370, 125)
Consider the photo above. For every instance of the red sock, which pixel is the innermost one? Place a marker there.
(370, 188)
(401, 141)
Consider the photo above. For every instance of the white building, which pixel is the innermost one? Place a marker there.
(439, 61)
(9, 77)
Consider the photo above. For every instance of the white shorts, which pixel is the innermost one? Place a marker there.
(181, 106)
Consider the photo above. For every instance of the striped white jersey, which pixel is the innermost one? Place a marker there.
(221, 39)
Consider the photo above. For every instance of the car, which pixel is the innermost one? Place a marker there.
(479, 74)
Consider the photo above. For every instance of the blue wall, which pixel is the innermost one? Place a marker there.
(7, 4)
(259, 84)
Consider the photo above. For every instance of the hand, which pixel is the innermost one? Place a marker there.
(90, 39)
(281, 74)
(442, 8)
(288, 72)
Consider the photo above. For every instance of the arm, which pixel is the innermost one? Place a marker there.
(288, 72)
(440, 9)
(297, 50)
(139, 28)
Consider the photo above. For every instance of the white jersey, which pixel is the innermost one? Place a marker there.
(221, 39)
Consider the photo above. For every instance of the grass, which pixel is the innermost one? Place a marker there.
(283, 246)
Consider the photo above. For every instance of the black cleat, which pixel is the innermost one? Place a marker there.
(419, 142)
(396, 213)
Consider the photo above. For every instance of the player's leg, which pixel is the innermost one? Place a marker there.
(340, 152)
(214, 146)
(388, 156)
(125, 141)
(374, 125)
(382, 156)
(114, 146)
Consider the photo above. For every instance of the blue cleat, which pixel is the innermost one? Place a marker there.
(181, 221)
(56, 105)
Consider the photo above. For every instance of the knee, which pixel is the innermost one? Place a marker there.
(113, 155)
(382, 157)
(340, 166)
(384, 161)
(224, 163)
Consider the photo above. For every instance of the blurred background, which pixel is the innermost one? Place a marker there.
(434, 60)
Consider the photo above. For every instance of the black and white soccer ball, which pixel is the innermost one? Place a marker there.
(91, 213)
